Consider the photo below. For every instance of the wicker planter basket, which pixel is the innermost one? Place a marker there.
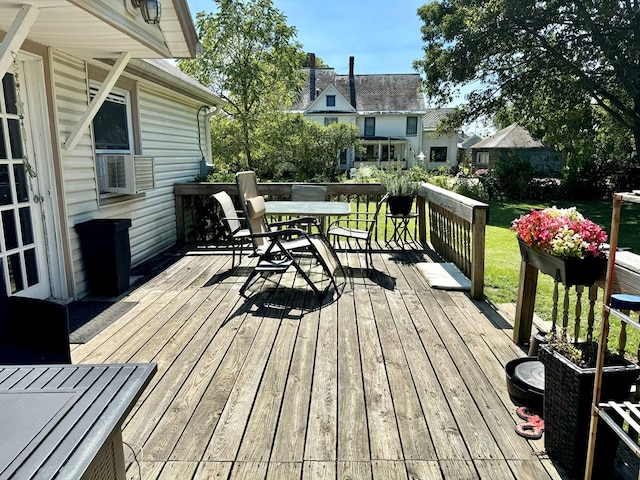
(567, 404)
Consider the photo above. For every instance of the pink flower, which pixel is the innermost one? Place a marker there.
(560, 231)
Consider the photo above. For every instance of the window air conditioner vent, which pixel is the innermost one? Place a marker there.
(127, 174)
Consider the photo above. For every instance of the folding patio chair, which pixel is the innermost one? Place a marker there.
(278, 249)
(308, 193)
(238, 234)
(347, 228)
(248, 188)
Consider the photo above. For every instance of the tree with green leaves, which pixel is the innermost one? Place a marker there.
(568, 65)
(288, 147)
(251, 60)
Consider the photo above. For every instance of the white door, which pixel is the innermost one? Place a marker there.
(23, 261)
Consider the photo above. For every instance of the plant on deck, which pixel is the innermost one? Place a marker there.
(563, 232)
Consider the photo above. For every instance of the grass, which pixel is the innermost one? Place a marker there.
(502, 261)
(502, 264)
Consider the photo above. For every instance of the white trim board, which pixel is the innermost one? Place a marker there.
(444, 276)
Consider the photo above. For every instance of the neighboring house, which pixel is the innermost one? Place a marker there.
(388, 110)
(465, 144)
(516, 140)
(88, 129)
(439, 150)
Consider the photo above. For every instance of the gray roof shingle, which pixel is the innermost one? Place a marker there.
(374, 93)
(514, 136)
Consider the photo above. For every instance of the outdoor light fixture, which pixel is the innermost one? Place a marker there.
(150, 9)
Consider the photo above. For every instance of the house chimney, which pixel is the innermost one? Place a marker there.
(352, 82)
(312, 76)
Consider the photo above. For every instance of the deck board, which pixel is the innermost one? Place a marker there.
(394, 380)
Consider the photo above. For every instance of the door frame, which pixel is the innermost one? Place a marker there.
(40, 146)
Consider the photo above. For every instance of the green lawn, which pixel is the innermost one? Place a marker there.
(502, 264)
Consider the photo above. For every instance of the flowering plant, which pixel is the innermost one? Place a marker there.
(563, 232)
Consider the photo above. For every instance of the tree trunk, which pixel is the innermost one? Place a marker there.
(246, 147)
(636, 127)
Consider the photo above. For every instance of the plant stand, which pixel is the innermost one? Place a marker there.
(568, 272)
(612, 412)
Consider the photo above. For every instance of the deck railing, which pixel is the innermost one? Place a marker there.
(456, 223)
(571, 305)
(456, 230)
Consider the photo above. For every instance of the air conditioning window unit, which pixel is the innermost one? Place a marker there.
(129, 174)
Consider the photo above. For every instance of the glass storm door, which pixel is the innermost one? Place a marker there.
(21, 255)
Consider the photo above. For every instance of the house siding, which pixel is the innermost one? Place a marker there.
(431, 140)
(168, 131)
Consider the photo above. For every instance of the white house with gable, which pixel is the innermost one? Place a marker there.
(389, 110)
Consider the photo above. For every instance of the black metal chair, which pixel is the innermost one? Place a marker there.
(32, 331)
(239, 235)
(348, 228)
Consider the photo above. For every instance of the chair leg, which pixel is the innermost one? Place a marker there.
(249, 281)
(233, 254)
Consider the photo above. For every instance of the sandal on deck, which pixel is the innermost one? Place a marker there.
(526, 413)
(533, 428)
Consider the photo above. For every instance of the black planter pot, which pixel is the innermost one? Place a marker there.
(567, 406)
(400, 205)
(569, 271)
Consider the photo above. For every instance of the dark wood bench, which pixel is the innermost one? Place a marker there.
(32, 331)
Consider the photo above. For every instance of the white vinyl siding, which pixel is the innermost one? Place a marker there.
(168, 132)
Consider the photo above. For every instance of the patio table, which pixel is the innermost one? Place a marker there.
(313, 209)
(64, 421)
(320, 209)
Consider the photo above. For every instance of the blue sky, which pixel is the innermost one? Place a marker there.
(382, 35)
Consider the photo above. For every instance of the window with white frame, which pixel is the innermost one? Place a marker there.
(112, 127)
(118, 171)
(369, 126)
(331, 100)
(330, 120)
(412, 125)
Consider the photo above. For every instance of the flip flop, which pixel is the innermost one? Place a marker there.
(534, 425)
(532, 430)
(526, 413)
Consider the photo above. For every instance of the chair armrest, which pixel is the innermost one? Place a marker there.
(349, 221)
(279, 233)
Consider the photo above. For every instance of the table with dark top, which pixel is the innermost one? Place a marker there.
(64, 421)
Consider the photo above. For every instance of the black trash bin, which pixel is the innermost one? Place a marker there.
(107, 254)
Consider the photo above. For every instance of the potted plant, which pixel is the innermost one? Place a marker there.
(562, 243)
(401, 188)
(569, 379)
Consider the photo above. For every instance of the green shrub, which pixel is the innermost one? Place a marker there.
(509, 179)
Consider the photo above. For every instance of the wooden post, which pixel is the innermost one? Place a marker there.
(478, 226)
(422, 219)
(180, 230)
(525, 303)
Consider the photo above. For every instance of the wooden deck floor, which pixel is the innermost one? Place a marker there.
(392, 381)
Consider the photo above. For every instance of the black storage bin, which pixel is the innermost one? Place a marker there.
(107, 254)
